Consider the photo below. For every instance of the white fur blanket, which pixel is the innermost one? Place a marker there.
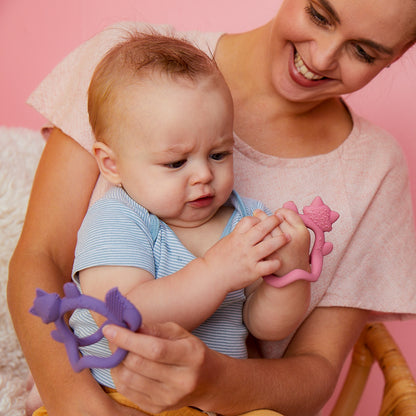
(20, 149)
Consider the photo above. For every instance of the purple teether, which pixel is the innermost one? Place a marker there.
(319, 218)
(116, 308)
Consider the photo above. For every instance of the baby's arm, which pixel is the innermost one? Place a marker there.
(273, 313)
(192, 294)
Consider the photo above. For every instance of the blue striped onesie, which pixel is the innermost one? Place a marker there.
(117, 231)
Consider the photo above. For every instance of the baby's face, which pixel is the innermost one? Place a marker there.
(175, 156)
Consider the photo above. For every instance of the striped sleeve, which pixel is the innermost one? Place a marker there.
(112, 234)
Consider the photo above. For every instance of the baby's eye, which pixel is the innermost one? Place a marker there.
(175, 165)
(363, 55)
(316, 17)
(219, 156)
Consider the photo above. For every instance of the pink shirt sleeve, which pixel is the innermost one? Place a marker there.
(62, 96)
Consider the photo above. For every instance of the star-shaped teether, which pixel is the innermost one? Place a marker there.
(319, 218)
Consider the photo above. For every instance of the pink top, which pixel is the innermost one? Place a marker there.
(373, 264)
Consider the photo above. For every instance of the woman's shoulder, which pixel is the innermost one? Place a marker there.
(374, 169)
(373, 145)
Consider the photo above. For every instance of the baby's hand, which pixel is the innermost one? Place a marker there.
(295, 254)
(243, 256)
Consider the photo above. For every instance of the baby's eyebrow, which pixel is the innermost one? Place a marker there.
(228, 140)
(176, 149)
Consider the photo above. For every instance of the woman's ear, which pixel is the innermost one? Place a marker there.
(107, 162)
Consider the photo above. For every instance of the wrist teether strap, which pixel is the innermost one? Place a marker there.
(319, 218)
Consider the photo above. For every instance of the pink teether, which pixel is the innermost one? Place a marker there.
(319, 218)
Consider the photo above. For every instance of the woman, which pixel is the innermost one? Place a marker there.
(295, 139)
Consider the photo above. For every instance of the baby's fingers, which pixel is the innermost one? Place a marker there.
(277, 230)
(268, 226)
(269, 245)
(245, 224)
(256, 230)
(269, 266)
(293, 225)
(261, 215)
(291, 217)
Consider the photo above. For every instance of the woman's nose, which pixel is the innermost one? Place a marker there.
(325, 54)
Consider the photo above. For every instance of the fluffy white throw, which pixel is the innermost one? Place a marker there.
(20, 149)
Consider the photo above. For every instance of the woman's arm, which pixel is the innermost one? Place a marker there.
(43, 259)
(169, 368)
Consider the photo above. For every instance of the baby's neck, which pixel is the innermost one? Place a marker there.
(201, 238)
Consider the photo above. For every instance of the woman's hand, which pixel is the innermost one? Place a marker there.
(166, 368)
(169, 368)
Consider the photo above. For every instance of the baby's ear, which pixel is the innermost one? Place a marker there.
(107, 162)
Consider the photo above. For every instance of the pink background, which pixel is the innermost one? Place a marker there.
(36, 35)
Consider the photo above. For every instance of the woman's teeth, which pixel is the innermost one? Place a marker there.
(300, 66)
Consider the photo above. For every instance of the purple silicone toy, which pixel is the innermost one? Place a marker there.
(116, 308)
(319, 218)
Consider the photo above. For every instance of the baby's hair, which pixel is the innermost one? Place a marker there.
(140, 55)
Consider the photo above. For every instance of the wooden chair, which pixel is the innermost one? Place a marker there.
(376, 344)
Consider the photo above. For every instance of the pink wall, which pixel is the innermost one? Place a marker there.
(35, 35)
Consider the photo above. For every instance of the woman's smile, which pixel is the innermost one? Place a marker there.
(301, 74)
(304, 70)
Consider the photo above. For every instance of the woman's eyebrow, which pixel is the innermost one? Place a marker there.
(383, 49)
(328, 7)
(377, 46)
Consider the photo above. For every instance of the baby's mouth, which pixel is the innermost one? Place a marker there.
(302, 69)
(202, 201)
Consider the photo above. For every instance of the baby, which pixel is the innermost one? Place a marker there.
(171, 233)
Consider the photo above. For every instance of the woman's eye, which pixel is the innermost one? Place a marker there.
(175, 165)
(363, 55)
(316, 17)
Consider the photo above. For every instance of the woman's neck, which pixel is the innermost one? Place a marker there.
(266, 121)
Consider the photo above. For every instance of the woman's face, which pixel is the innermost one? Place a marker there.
(325, 48)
